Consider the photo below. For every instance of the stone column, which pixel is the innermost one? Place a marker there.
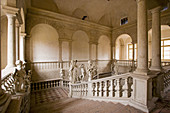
(70, 50)
(17, 40)
(111, 51)
(60, 50)
(22, 46)
(11, 41)
(114, 52)
(156, 39)
(142, 33)
(133, 56)
(90, 46)
(96, 51)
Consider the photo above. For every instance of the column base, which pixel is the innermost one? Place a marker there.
(142, 71)
(155, 68)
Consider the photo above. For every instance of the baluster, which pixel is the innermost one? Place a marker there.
(117, 88)
(100, 89)
(125, 88)
(111, 88)
(94, 89)
(42, 85)
(46, 85)
(105, 88)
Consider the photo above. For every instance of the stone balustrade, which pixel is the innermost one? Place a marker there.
(165, 63)
(7, 84)
(50, 65)
(109, 88)
(50, 83)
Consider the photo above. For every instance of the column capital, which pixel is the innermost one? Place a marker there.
(23, 34)
(10, 11)
(156, 9)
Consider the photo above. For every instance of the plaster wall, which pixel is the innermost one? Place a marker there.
(104, 48)
(44, 41)
(80, 46)
(93, 52)
(65, 51)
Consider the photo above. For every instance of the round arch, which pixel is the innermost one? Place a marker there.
(122, 47)
(80, 45)
(44, 45)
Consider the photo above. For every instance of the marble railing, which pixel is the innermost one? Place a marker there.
(50, 65)
(114, 87)
(165, 63)
(50, 83)
(7, 84)
(125, 62)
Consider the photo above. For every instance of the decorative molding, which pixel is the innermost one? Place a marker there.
(66, 19)
(10, 10)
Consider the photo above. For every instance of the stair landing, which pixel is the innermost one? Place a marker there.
(56, 101)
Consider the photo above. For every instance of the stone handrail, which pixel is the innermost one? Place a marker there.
(50, 83)
(114, 87)
(7, 84)
(50, 65)
(124, 62)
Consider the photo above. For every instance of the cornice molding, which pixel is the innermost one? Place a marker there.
(10, 10)
(134, 23)
(67, 19)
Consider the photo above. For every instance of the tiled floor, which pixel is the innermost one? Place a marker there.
(46, 96)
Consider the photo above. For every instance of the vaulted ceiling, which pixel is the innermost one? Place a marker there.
(105, 12)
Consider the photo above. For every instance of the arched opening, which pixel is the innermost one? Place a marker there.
(44, 43)
(165, 43)
(104, 48)
(80, 46)
(124, 48)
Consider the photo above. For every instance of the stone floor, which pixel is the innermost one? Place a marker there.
(56, 101)
(163, 105)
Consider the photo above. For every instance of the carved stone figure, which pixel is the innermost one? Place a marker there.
(62, 73)
(83, 72)
(90, 70)
(73, 71)
(116, 68)
(19, 77)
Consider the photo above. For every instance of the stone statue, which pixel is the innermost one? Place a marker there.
(19, 77)
(83, 72)
(90, 70)
(62, 73)
(73, 71)
(116, 68)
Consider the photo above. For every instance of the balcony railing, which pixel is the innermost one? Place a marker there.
(48, 84)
